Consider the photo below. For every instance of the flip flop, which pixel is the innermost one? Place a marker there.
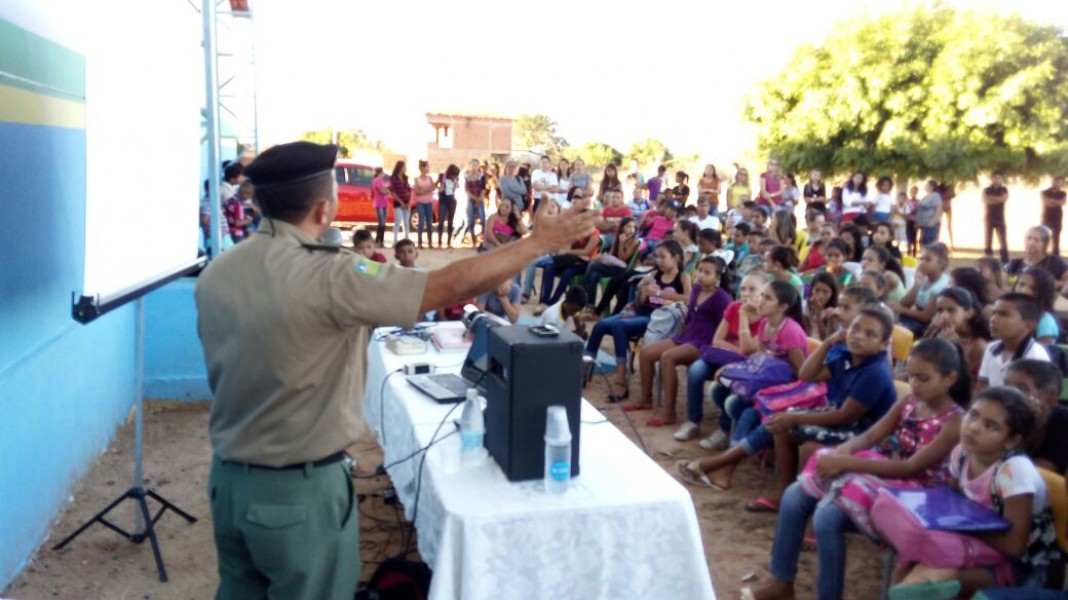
(761, 505)
(808, 543)
(929, 590)
(659, 422)
(695, 477)
(635, 408)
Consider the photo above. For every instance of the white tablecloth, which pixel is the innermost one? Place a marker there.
(625, 528)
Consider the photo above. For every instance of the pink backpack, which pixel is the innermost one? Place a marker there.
(800, 395)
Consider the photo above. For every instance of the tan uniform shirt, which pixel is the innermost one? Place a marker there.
(285, 331)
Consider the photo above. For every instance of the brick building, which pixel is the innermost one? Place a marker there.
(459, 137)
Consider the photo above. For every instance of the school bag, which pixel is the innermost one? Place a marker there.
(801, 395)
(755, 373)
(398, 579)
(665, 323)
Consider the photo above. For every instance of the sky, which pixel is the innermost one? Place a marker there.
(617, 73)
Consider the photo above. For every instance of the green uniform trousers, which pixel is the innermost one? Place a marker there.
(286, 534)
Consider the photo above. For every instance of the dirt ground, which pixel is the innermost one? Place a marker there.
(101, 564)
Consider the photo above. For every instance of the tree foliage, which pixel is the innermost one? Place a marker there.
(649, 151)
(348, 140)
(931, 92)
(594, 154)
(538, 132)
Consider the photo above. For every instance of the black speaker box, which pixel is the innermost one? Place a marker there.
(527, 374)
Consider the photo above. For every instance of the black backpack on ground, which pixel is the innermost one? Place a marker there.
(398, 579)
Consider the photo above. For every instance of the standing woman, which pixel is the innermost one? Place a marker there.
(475, 187)
(771, 186)
(424, 203)
(855, 197)
(402, 198)
(790, 194)
(513, 188)
(563, 178)
(447, 202)
(580, 177)
(493, 186)
(681, 192)
(610, 180)
(708, 188)
(1053, 199)
(815, 192)
(929, 214)
(381, 197)
(739, 188)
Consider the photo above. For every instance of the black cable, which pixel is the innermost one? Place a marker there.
(615, 399)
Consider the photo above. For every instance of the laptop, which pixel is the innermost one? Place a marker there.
(447, 388)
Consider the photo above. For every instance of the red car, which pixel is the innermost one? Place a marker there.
(355, 204)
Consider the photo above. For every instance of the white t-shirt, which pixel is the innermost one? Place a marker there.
(709, 222)
(996, 362)
(554, 315)
(883, 203)
(1015, 476)
(546, 178)
(561, 198)
(853, 201)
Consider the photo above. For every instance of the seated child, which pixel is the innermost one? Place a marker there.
(908, 447)
(406, 253)
(780, 335)
(835, 256)
(363, 243)
(739, 243)
(917, 307)
(1041, 381)
(815, 258)
(989, 467)
(503, 301)
(823, 294)
(1013, 327)
(563, 315)
(780, 262)
(705, 309)
(724, 349)
(959, 319)
(1039, 284)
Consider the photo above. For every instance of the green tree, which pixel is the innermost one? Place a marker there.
(594, 154)
(649, 151)
(931, 92)
(537, 131)
(348, 140)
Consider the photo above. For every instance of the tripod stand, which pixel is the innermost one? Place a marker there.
(144, 521)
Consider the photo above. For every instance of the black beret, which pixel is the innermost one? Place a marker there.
(291, 163)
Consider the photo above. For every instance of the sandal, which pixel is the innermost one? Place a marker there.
(761, 505)
(659, 422)
(695, 476)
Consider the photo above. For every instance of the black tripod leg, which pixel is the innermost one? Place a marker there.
(98, 517)
(150, 532)
(167, 505)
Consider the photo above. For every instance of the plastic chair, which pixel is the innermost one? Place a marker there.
(910, 276)
(1058, 501)
(901, 343)
(909, 262)
(903, 389)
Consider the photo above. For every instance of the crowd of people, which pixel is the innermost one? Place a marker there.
(845, 347)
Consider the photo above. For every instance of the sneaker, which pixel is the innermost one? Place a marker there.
(688, 431)
(715, 442)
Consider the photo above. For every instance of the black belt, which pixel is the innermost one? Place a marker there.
(322, 462)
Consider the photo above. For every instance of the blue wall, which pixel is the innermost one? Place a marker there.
(174, 360)
(64, 387)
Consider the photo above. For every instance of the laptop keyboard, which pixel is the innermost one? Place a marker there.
(454, 383)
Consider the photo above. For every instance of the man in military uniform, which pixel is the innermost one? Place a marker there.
(285, 324)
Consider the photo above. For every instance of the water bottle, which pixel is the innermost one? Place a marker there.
(557, 450)
(472, 431)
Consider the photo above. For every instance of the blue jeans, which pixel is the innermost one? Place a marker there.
(380, 231)
(550, 294)
(696, 375)
(748, 432)
(830, 525)
(528, 273)
(929, 235)
(1012, 593)
(426, 218)
(476, 210)
(621, 331)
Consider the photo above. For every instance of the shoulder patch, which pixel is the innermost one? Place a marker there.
(368, 267)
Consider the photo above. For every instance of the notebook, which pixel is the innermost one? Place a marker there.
(945, 509)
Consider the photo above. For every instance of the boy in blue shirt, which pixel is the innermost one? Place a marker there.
(739, 243)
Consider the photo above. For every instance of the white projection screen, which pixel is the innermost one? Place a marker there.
(144, 89)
